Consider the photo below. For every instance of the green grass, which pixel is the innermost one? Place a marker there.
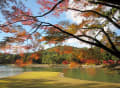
(50, 80)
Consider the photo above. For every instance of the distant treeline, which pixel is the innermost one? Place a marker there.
(58, 54)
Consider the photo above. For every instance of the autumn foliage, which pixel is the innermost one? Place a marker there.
(94, 18)
(73, 64)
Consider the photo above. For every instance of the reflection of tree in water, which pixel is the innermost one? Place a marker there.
(65, 70)
(111, 72)
(91, 71)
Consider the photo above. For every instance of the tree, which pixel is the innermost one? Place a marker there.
(110, 3)
(97, 21)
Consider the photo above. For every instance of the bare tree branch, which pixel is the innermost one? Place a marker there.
(53, 8)
(114, 2)
(97, 34)
(38, 26)
(104, 16)
(14, 22)
(110, 41)
(98, 44)
(107, 36)
(65, 32)
(106, 4)
(89, 37)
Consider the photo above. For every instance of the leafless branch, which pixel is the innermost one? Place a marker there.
(110, 41)
(53, 8)
(104, 16)
(106, 4)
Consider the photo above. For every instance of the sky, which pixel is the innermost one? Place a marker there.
(35, 8)
(69, 16)
(54, 20)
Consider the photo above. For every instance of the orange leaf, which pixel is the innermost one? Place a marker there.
(73, 64)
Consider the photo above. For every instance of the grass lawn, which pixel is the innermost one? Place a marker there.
(50, 80)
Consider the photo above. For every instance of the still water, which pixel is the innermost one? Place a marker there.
(93, 74)
(6, 70)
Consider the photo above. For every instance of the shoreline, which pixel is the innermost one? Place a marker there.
(50, 80)
(67, 66)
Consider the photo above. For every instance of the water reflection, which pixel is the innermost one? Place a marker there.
(6, 70)
(94, 74)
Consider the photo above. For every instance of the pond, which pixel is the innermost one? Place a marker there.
(93, 74)
(8, 70)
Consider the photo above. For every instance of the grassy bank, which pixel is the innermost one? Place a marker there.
(50, 80)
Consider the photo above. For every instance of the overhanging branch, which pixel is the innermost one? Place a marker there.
(104, 16)
(106, 4)
(53, 8)
(110, 41)
(72, 35)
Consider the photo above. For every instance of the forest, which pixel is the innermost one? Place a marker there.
(97, 24)
(61, 55)
(59, 43)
